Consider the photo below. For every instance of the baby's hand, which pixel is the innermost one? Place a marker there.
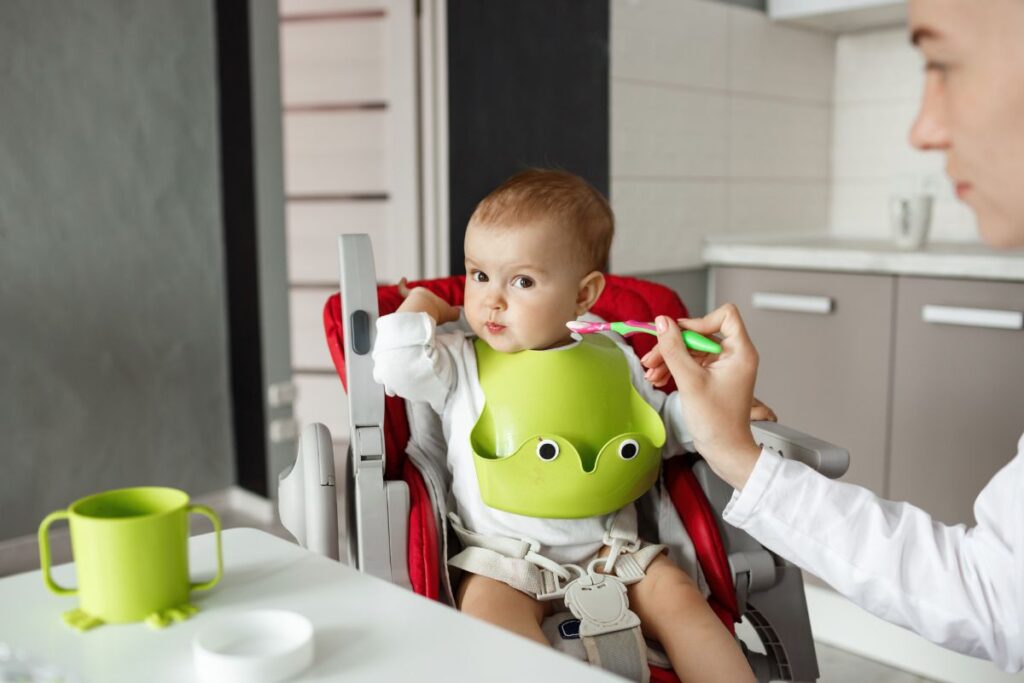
(658, 375)
(422, 300)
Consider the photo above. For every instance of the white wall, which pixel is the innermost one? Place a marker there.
(720, 123)
(878, 83)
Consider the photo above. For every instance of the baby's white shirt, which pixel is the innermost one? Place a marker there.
(412, 359)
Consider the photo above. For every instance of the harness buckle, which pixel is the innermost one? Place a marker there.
(629, 570)
(559, 588)
(599, 601)
(618, 546)
(625, 541)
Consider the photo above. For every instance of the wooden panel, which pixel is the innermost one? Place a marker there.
(825, 374)
(313, 229)
(332, 153)
(333, 62)
(309, 345)
(957, 410)
(321, 398)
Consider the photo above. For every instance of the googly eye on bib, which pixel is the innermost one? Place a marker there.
(547, 449)
(628, 449)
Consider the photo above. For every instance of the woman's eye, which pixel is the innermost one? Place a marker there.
(479, 276)
(940, 69)
(522, 282)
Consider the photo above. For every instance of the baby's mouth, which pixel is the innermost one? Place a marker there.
(494, 328)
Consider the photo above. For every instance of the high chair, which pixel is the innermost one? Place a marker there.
(393, 489)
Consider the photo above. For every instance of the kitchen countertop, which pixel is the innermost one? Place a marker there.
(827, 253)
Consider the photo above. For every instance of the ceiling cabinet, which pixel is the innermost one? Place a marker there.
(839, 16)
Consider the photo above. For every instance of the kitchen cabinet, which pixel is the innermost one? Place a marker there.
(958, 390)
(839, 16)
(920, 378)
(825, 346)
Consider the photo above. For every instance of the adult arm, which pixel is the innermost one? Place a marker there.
(953, 585)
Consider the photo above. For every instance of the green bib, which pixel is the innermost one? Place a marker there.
(563, 432)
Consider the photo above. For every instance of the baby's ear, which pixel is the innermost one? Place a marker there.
(590, 290)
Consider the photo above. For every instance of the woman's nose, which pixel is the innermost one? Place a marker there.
(930, 130)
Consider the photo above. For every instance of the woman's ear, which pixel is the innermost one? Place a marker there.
(591, 287)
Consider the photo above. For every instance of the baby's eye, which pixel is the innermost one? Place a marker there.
(478, 276)
(522, 282)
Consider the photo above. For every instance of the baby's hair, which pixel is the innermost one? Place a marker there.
(564, 200)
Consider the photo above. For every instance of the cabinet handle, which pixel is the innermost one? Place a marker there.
(973, 317)
(799, 303)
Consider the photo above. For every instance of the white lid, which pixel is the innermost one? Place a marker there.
(257, 646)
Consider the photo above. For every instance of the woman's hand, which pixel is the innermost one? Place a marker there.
(658, 374)
(422, 300)
(716, 391)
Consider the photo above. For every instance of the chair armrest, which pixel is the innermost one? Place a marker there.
(829, 459)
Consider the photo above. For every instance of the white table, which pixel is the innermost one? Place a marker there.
(366, 629)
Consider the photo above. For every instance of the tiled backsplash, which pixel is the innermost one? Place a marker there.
(878, 82)
(720, 123)
(725, 122)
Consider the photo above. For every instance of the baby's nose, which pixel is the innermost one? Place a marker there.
(495, 300)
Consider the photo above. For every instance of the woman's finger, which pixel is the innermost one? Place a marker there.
(653, 359)
(687, 372)
(659, 376)
(760, 411)
(403, 288)
(724, 321)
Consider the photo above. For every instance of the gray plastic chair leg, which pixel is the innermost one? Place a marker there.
(779, 616)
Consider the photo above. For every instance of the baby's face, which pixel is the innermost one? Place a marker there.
(522, 286)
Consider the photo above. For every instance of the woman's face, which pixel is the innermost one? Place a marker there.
(973, 105)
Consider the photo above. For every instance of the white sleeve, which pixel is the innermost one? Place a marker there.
(955, 586)
(413, 361)
(677, 436)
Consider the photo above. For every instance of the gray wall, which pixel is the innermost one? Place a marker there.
(113, 349)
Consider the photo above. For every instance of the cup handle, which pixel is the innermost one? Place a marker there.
(44, 553)
(208, 512)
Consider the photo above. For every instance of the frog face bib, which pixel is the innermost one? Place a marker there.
(563, 433)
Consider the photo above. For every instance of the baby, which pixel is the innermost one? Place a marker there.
(534, 249)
